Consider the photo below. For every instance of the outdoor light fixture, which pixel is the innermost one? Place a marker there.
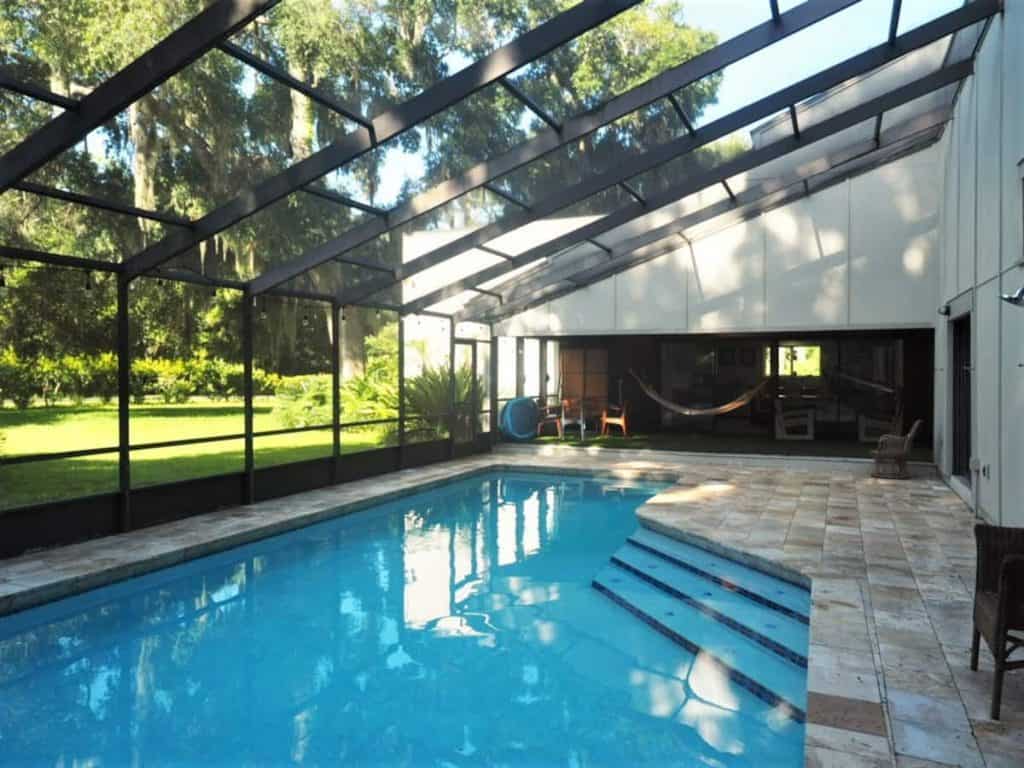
(1017, 299)
(944, 310)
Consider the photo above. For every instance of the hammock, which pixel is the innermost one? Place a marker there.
(717, 410)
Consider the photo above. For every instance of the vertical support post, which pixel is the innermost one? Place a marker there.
(474, 398)
(124, 379)
(520, 373)
(494, 387)
(401, 391)
(544, 373)
(249, 482)
(338, 323)
(452, 418)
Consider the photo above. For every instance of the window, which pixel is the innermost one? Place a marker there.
(795, 360)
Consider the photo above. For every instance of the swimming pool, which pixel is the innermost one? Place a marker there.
(457, 626)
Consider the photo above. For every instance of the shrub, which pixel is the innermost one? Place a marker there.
(102, 376)
(427, 397)
(17, 379)
(52, 379)
(76, 376)
(304, 401)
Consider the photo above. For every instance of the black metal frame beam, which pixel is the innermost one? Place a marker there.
(741, 164)
(337, 197)
(387, 125)
(172, 54)
(905, 138)
(275, 73)
(681, 114)
(793, 120)
(633, 193)
(9, 82)
(820, 82)
(739, 47)
(894, 20)
(529, 103)
(100, 203)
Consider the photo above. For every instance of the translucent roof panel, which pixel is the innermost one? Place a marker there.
(374, 54)
(70, 47)
(20, 117)
(631, 49)
(798, 56)
(277, 234)
(68, 229)
(189, 146)
(479, 127)
(914, 13)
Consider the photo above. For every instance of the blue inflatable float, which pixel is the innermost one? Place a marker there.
(519, 419)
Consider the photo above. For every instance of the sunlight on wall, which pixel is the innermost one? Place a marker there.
(916, 256)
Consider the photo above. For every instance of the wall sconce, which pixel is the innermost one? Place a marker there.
(944, 310)
(1017, 299)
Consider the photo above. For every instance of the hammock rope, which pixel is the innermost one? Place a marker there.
(717, 410)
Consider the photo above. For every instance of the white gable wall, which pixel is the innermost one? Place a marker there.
(860, 254)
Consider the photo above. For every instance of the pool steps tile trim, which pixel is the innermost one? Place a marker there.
(722, 582)
(780, 650)
(768, 696)
(746, 559)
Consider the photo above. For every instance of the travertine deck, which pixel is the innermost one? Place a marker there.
(892, 567)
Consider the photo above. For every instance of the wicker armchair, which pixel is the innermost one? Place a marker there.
(893, 452)
(999, 601)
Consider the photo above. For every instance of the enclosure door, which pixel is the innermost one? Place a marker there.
(962, 398)
(467, 392)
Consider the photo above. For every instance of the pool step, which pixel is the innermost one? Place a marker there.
(778, 632)
(782, 596)
(761, 670)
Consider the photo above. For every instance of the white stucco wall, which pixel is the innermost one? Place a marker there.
(860, 254)
(981, 246)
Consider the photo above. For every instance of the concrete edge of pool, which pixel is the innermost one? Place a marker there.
(846, 716)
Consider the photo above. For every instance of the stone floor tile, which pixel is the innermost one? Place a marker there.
(936, 743)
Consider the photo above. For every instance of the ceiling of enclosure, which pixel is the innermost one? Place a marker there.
(467, 158)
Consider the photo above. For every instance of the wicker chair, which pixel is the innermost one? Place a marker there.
(615, 416)
(893, 452)
(999, 601)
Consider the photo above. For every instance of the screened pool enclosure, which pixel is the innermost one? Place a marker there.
(253, 247)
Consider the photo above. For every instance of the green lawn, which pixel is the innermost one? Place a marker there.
(67, 428)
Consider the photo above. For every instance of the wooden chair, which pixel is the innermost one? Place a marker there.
(797, 424)
(550, 414)
(999, 601)
(892, 454)
(615, 416)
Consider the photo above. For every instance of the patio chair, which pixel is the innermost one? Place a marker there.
(550, 414)
(573, 416)
(797, 424)
(615, 416)
(892, 454)
(999, 601)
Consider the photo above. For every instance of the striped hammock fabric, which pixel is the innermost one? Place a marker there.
(717, 410)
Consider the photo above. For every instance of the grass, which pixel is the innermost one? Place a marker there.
(69, 427)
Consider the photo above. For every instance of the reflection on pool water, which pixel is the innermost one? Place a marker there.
(453, 627)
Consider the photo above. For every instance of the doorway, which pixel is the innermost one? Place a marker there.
(962, 398)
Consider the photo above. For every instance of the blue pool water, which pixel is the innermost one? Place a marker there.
(454, 627)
